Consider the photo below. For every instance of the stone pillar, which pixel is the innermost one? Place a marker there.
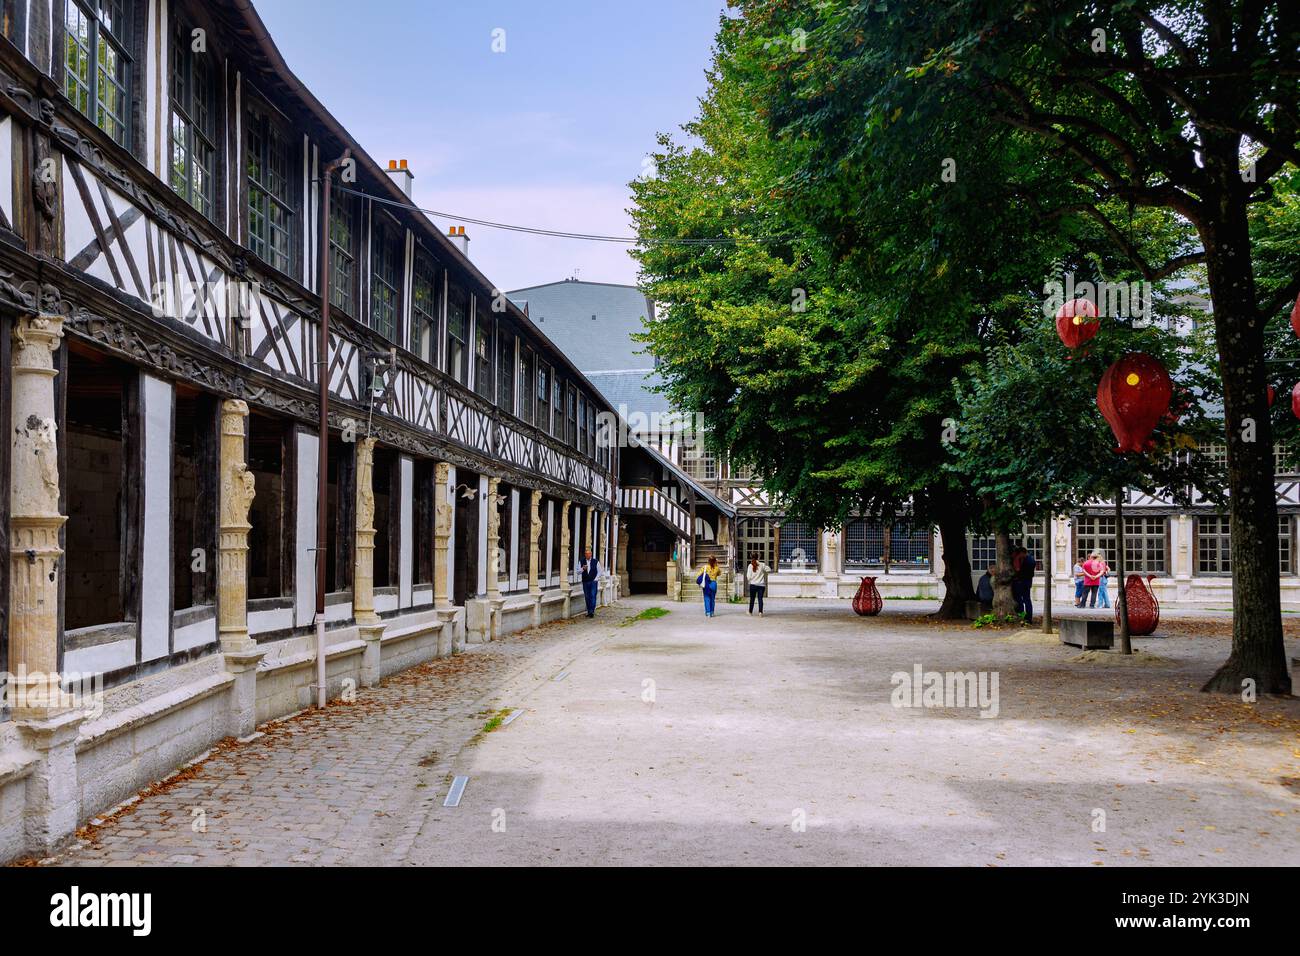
(831, 563)
(363, 564)
(590, 537)
(534, 542)
(494, 502)
(370, 628)
(442, 513)
(237, 492)
(34, 521)
(566, 560)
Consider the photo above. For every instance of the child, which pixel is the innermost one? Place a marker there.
(1078, 584)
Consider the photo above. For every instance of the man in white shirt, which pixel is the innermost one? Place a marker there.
(756, 573)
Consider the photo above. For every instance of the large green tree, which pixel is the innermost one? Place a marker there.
(1189, 107)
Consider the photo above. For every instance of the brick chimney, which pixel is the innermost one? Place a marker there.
(400, 174)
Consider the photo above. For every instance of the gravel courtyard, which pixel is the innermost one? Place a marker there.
(741, 740)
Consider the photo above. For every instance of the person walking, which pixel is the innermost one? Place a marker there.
(1093, 569)
(708, 582)
(590, 581)
(1078, 584)
(756, 573)
(1103, 585)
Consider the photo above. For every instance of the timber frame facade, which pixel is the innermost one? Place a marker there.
(159, 319)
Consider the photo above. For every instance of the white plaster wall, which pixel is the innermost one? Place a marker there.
(274, 620)
(406, 573)
(304, 574)
(101, 659)
(155, 598)
(448, 558)
(6, 168)
(198, 634)
(482, 534)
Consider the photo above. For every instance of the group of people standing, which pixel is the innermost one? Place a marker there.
(1090, 581)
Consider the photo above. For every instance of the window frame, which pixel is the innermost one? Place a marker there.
(458, 298)
(484, 353)
(183, 24)
(345, 210)
(124, 43)
(387, 242)
(259, 115)
(525, 387)
(424, 322)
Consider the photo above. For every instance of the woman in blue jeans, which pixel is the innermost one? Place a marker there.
(708, 582)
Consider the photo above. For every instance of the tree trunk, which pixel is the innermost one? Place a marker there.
(1004, 603)
(1121, 593)
(1047, 573)
(957, 586)
(1258, 653)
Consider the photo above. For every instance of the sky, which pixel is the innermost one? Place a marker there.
(548, 132)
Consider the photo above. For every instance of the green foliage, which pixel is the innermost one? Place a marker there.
(994, 620)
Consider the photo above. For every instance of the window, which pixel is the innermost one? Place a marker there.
(1216, 452)
(756, 537)
(458, 334)
(543, 397)
(557, 406)
(1214, 544)
(1144, 542)
(983, 553)
(386, 254)
(483, 354)
(525, 384)
(193, 121)
(700, 463)
(864, 543)
(571, 434)
(909, 546)
(97, 66)
(424, 307)
(582, 424)
(343, 250)
(798, 545)
(1285, 524)
(1144, 546)
(272, 201)
(1282, 460)
(591, 429)
(506, 371)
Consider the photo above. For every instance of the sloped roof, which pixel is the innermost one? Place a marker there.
(591, 322)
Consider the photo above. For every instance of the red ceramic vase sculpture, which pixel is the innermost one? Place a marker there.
(867, 602)
(1272, 395)
(1143, 607)
(1295, 316)
(1076, 322)
(1295, 400)
(1133, 396)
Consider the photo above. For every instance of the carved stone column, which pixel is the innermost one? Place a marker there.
(441, 534)
(34, 521)
(237, 492)
(363, 565)
(534, 542)
(494, 502)
(566, 561)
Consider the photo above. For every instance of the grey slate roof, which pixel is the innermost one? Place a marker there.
(633, 389)
(564, 310)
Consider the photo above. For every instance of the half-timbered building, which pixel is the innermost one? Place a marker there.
(161, 175)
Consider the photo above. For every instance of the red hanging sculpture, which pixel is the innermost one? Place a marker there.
(1295, 316)
(1272, 395)
(1133, 396)
(867, 602)
(1295, 400)
(1077, 322)
(1143, 606)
